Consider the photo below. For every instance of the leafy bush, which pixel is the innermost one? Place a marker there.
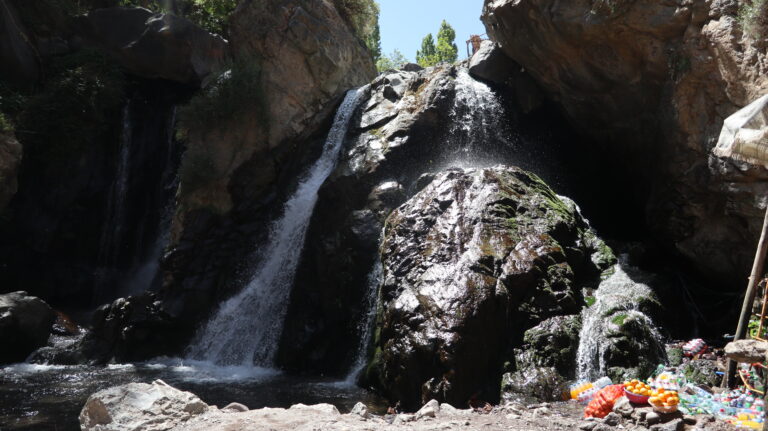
(235, 91)
(361, 15)
(5, 124)
(753, 17)
(77, 105)
(212, 15)
(393, 61)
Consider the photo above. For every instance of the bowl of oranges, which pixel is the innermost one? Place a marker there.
(637, 391)
(664, 401)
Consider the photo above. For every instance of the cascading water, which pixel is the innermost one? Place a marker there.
(114, 223)
(365, 327)
(138, 214)
(247, 327)
(618, 301)
(478, 118)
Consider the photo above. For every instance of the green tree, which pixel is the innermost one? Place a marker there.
(427, 55)
(393, 61)
(447, 51)
(373, 41)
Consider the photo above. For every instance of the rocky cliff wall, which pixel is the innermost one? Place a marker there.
(652, 83)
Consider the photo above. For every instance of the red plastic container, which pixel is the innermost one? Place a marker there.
(635, 398)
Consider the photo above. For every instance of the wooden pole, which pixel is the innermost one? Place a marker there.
(749, 297)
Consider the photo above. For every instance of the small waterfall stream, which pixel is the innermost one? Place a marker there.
(478, 118)
(247, 327)
(617, 298)
(365, 327)
(138, 213)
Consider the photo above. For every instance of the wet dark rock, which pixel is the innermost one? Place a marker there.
(18, 61)
(164, 46)
(132, 329)
(469, 263)
(541, 383)
(552, 343)
(25, 325)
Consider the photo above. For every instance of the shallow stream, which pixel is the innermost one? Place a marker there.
(50, 397)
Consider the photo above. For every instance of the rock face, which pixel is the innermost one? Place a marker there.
(654, 82)
(19, 63)
(10, 159)
(470, 262)
(490, 63)
(411, 125)
(153, 46)
(297, 60)
(25, 324)
(139, 406)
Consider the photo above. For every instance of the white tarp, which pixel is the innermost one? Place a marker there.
(745, 134)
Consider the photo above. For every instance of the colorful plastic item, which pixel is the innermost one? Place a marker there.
(603, 402)
(694, 347)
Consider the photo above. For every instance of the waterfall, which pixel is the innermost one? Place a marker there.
(617, 301)
(114, 222)
(477, 119)
(139, 207)
(247, 327)
(365, 327)
(146, 272)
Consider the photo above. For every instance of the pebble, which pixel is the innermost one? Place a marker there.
(612, 419)
(235, 407)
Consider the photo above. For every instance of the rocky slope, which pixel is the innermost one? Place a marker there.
(652, 83)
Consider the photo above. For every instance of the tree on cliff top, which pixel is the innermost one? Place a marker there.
(427, 55)
(446, 50)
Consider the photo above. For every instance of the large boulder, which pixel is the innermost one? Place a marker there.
(132, 329)
(140, 406)
(154, 46)
(652, 82)
(10, 160)
(25, 324)
(469, 263)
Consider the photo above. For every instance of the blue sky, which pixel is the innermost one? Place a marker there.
(404, 23)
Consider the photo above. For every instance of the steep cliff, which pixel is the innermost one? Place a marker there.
(247, 136)
(652, 83)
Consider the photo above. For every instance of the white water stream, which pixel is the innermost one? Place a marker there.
(365, 327)
(618, 295)
(246, 328)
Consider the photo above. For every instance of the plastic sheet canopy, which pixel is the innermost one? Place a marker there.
(744, 136)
